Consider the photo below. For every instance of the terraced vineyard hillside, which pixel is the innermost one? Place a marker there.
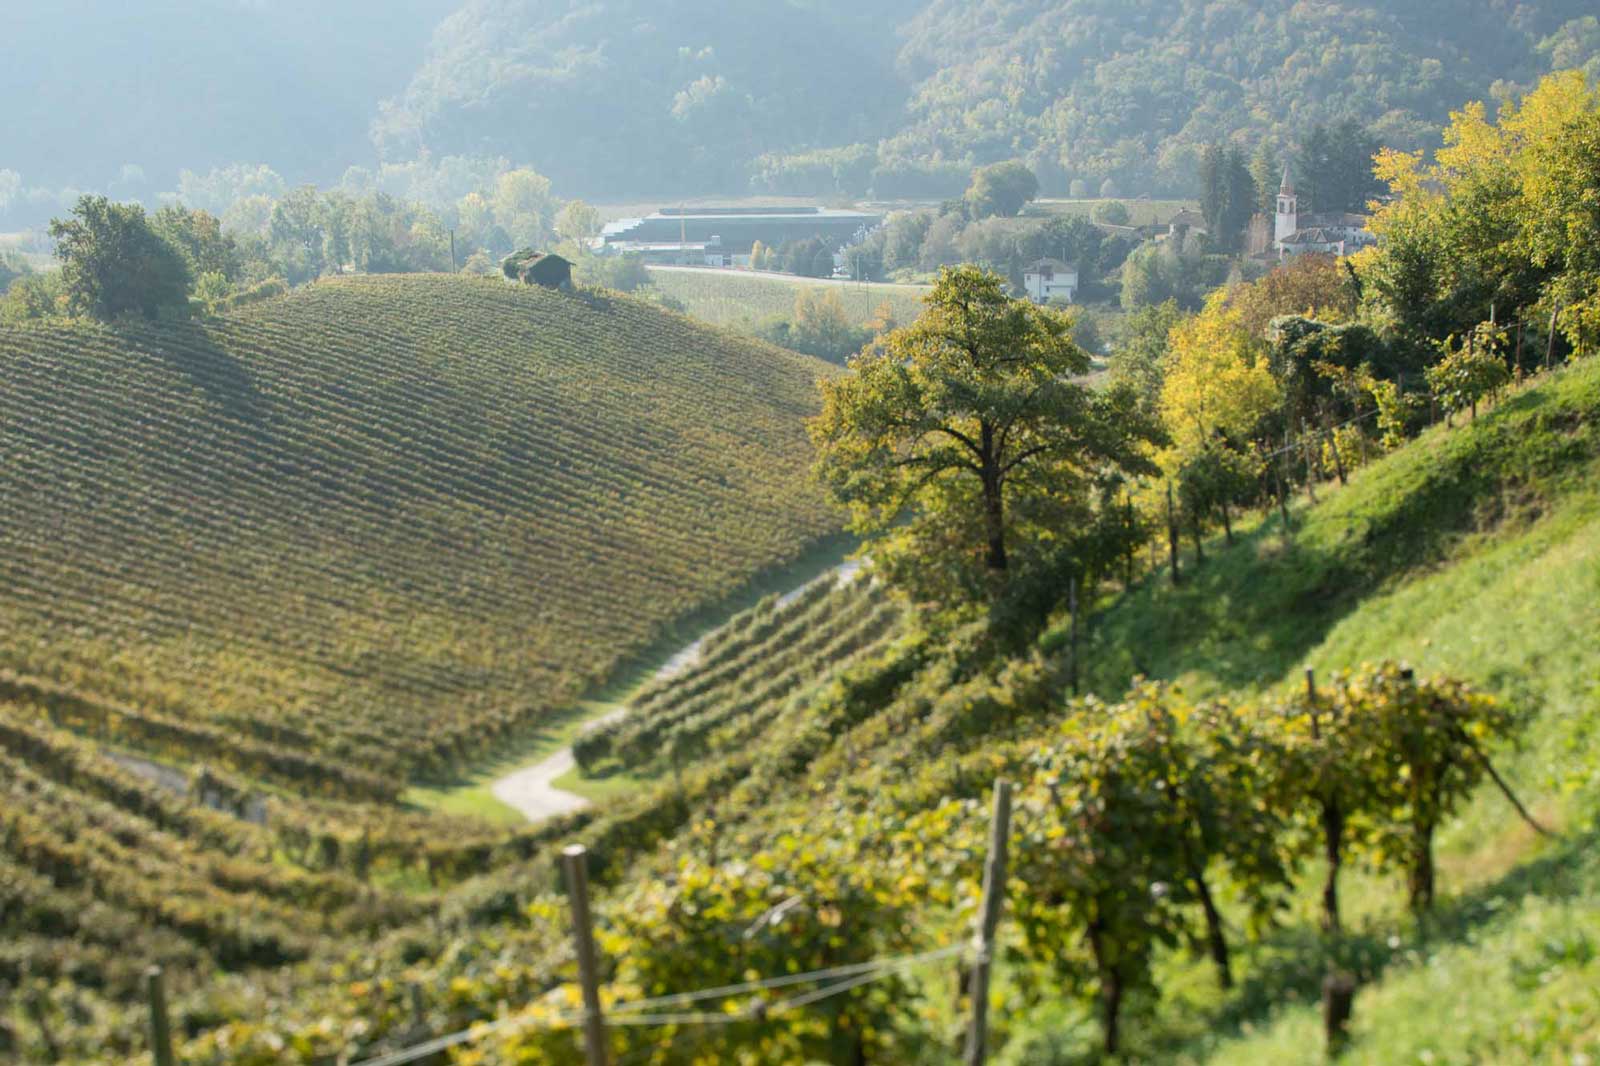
(381, 521)
(763, 663)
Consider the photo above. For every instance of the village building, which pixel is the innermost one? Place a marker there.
(1298, 233)
(1050, 279)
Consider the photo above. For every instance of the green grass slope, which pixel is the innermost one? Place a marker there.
(381, 521)
(1474, 551)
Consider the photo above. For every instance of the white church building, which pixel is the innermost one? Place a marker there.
(1334, 233)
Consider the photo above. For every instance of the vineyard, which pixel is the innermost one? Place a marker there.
(362, 531)
(741, 299)
(820, 774)
(813, 801)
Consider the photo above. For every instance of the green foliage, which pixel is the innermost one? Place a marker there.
(1136, 360)
(12, 267)
(1156, 273)
(33, 297)
(1112, 213)
(963, 438)
(113, 263)
(1398, 755)
(1227, 194)
(1001, 189)
(1333, 169)
(1500, 224)
(622, 273)
(577, 221)
(1471, 372)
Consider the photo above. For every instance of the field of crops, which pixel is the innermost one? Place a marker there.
(363, 530)
(741, 298)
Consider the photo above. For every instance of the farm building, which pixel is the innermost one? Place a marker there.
(538, 268)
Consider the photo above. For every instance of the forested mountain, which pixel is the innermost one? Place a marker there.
(616, 98)
(1095, 89)
(624, 97)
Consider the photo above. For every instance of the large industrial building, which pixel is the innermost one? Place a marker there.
(722, 236)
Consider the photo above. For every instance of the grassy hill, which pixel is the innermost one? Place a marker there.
(382, 521)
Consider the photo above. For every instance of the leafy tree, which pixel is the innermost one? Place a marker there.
(297, 231)
(577, 221)
(903, 235)
(1001, 189)
(1334, 167)
(624, 273)
(11, 268)
(1112, 213)
(522, 206)
(32, 297)
(1470, 371)
(114, 263)
(963, 438)
(1156, 273)
(1227, 194)
(1265, 175)
(823, 328)
(1136, 361)
(200, 237)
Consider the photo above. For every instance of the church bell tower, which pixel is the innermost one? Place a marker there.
(1287, 220)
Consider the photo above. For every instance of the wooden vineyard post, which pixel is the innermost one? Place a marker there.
(1172, 538)
(1283, 498)
(160, 1024)
(1338, 998)
(575, 864)
(1550, 344)
(1311, 473)
(1072, 606)
(994, 897)
(1332, 824)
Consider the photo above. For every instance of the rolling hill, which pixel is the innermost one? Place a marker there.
(380, 522)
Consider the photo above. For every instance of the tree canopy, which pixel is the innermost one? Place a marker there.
(114, 263)
(964, 445)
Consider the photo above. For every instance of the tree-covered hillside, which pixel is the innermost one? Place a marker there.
(1092, 89)
(628, 96)
(790, 97)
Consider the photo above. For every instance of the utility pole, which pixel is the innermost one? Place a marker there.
(453, 267)
(994, 897)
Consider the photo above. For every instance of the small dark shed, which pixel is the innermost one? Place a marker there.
(538, 268)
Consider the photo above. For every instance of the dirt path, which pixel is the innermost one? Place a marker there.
(531, 790)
